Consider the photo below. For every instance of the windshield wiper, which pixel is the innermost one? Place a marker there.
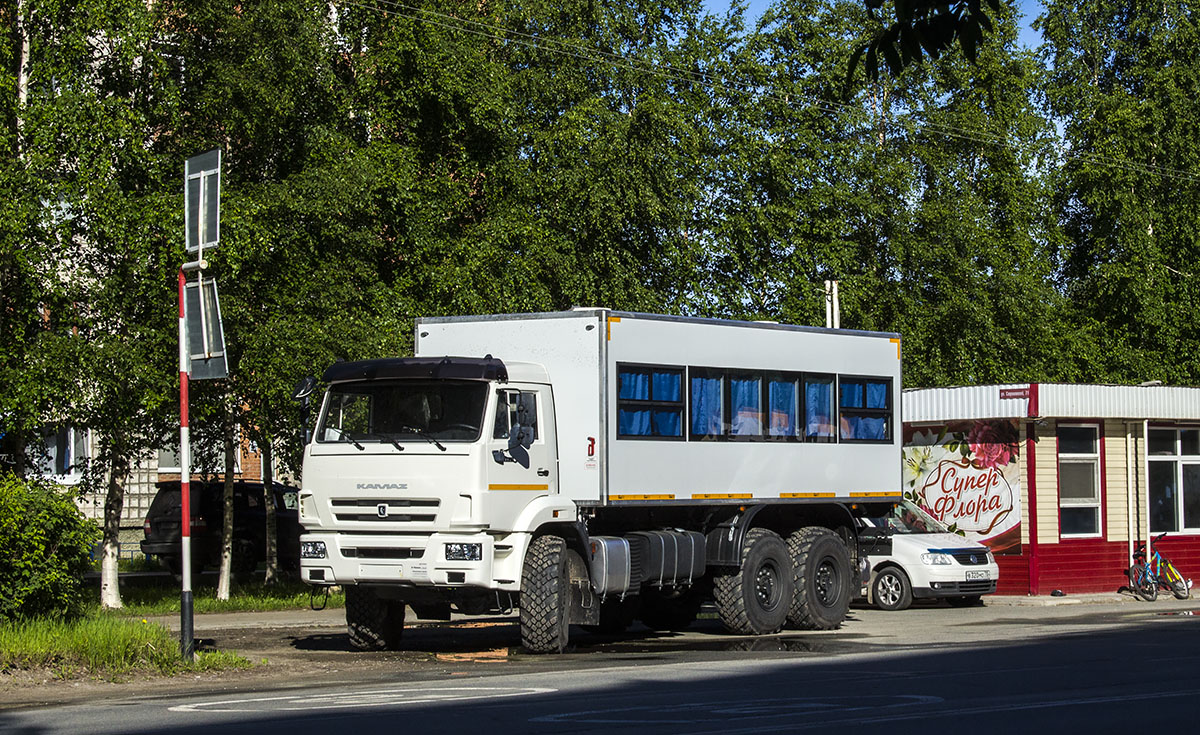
(389, 439)
(423, 435)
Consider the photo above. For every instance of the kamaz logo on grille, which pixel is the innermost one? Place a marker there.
(381, 486)
(381, 509)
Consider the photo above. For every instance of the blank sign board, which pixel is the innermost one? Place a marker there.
(202, 200)
(206, 335)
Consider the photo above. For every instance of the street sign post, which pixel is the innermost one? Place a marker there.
(201, 346)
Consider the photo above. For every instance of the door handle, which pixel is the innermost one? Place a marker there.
(543, 473)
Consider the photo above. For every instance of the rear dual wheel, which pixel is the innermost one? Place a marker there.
(755, 598)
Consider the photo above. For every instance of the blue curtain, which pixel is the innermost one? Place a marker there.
(818, 409)
(633, 423)
(634, 386)
(706, 406)
(872, 428)
(668, 423)
(877, 395)
(782, 397)
(667, 386)
(852, 395)
(746, 410)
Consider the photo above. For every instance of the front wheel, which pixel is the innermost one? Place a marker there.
(545, 596)
(1174, 581)
(891, 590)
(754, 599)
(372, 622)
(1142, 584)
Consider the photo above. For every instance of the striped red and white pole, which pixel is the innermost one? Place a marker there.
(187, 641)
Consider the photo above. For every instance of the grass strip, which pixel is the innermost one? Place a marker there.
(101, 646)
(164, 600)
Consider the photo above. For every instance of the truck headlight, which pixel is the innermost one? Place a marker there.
(312, 549)
(936, 558)
(464, 552)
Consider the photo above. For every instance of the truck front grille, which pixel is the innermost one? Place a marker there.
(384, 510)
(382, 553)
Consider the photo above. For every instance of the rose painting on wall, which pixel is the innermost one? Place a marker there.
(967, 476)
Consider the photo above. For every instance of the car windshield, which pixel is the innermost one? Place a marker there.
(403, 410)
(907, 517)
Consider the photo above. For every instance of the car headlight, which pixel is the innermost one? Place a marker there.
(936, 558)
(464, 552)
(312, 549)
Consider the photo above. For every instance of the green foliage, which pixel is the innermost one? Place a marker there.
(45, 547)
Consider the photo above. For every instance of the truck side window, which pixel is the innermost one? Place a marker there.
(515, 407)
(866, 409)
(649, 401)
(818, 409)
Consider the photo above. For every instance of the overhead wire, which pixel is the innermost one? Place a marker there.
(706, 79)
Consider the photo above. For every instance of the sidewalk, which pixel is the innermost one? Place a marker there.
(336, 617)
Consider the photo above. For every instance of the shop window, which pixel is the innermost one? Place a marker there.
(1079, 480)
(1174, 469)
(649, 402)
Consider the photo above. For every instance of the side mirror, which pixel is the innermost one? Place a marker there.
(304, 388)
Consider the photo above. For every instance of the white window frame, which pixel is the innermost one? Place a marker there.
(1179, 459)
(75, 475)
(1092, 458)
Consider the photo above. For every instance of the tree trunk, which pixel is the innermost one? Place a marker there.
(268, 476)
(227, 520)
(114, 502)
(22, 75)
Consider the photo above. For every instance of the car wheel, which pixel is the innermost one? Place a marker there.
(891, 589)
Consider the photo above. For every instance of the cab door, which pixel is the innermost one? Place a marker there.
(522, 458)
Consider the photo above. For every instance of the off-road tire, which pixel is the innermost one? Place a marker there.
(545, 596)
(670, 611)
(373, 623)
(754, 599)
(821, 579)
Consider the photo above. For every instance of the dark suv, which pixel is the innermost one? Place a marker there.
(249, 526)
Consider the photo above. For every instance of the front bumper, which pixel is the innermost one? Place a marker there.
(415, 560)
(955, 589)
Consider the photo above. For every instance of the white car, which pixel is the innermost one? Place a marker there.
(912, 555)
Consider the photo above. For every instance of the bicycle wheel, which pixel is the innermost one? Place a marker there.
(1142, 583)
(1173, 580)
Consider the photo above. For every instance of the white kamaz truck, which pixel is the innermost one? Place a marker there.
(594, 468)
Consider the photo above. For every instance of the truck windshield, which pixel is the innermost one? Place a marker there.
(907, 517)
(403, 410)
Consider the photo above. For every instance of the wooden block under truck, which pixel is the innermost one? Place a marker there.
(596, 468)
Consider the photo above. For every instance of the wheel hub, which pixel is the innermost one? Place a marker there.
(766, 586)
(827, 586)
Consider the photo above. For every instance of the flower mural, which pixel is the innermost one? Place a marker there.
(967, 476)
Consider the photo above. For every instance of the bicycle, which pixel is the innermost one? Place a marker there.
(1145, 578)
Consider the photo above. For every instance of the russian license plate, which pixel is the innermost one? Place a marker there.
(976, 575)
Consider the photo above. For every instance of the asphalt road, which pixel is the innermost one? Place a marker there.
(1099, 667)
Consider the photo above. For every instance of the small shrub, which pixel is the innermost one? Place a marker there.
(45, 546)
